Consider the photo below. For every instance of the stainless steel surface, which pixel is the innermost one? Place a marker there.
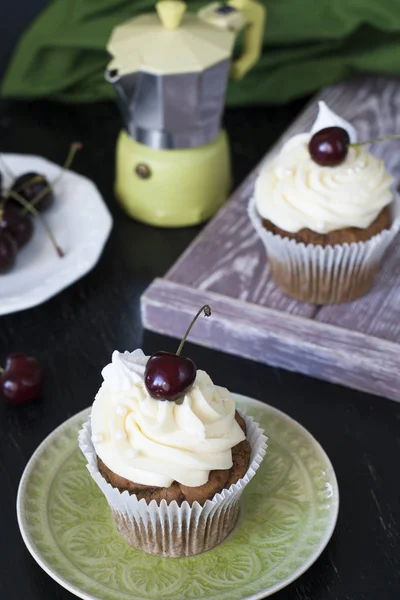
(173, 111)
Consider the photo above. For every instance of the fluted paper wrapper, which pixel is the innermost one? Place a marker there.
(329, 275)
(168, 529)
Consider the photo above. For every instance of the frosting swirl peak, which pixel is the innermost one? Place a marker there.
(155, 442)
(294, 192)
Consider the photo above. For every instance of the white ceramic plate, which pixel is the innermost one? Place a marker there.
(81, 223)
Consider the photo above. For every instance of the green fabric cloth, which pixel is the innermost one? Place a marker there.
(307, 44)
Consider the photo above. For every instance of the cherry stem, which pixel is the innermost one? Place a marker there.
(71, 155)
(207, 312)
(29, 208)
(1, 370)
(380, 139)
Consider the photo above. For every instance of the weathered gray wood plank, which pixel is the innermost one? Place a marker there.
(275, 337)
(228, 263)
(378, 313)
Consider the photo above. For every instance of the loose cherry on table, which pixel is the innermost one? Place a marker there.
(169, 376)
(22, 379)
(329, 147)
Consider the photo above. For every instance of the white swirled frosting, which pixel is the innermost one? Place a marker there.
(155, 442)
(294, 192)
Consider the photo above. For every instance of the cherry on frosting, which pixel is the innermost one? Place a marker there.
(329, 146)
(169, 376)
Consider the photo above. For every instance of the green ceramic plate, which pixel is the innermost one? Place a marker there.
(288, 514)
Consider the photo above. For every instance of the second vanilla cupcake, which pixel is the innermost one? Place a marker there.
(325, 228)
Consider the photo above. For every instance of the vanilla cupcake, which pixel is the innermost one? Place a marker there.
(172, 472)
(325, 228)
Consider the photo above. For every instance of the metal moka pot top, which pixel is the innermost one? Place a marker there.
(170, 72)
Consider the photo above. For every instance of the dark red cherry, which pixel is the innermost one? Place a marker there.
(22, 379)
(20, 226)
(169, 376)
(29, 186)
(8, 251)
(329, 147)
(225, 9)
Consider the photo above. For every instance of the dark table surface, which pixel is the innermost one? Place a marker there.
(74, 333)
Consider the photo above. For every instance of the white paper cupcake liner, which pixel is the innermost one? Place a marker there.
(329, 275)
(169, 529)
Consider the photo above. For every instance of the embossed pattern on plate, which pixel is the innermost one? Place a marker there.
(288, 515)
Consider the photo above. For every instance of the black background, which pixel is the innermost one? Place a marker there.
(74, 334)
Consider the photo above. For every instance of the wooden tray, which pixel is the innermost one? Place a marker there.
(355, 344)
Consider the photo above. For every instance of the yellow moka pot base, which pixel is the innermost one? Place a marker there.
(172, 188)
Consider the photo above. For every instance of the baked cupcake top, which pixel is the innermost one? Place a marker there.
(153, 442)
(294, 192)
